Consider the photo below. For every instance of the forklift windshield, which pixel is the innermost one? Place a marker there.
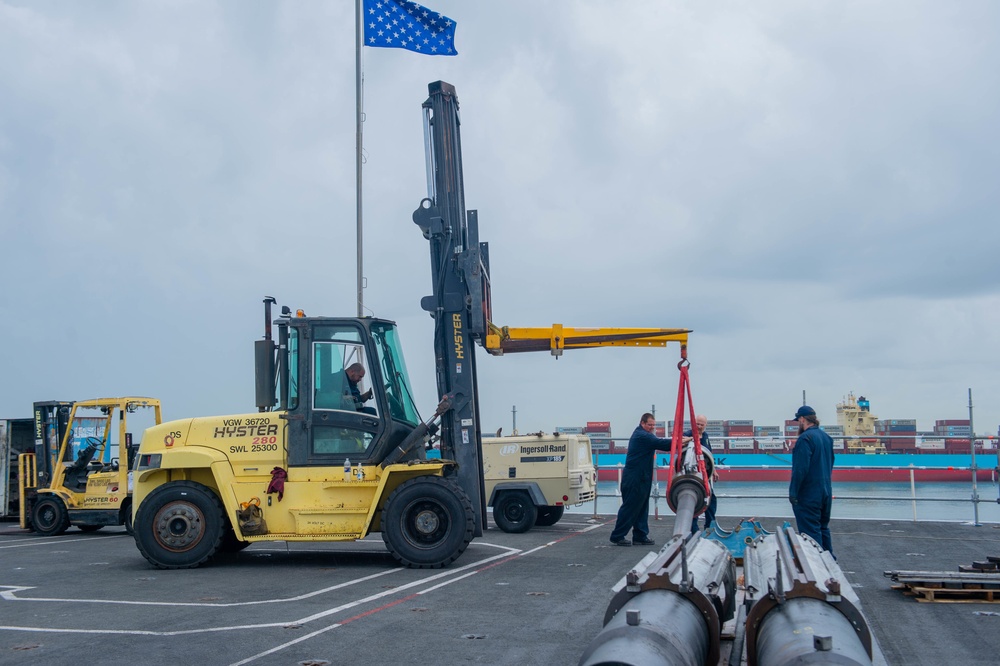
(397, 381)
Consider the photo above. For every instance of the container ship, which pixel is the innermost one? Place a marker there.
(867, 448)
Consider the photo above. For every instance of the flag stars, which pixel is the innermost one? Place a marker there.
(408, 25)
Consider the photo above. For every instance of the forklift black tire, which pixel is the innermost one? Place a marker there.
(549, 515)
(127, 518)
(179, 525)
(89, 528)
(427, 522)
(514, 512)
(49, 516)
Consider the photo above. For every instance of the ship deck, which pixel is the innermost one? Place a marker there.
(533, 598)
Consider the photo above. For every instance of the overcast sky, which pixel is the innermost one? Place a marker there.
(812, 187)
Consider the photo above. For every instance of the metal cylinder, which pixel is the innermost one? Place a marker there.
(688, 497)
(681, 489)
(802, 608)
(669, 630)
(670, 608)
(808, 631)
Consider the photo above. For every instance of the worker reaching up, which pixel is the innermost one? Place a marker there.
(637, 480)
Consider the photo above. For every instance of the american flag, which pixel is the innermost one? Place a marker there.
(400, 24)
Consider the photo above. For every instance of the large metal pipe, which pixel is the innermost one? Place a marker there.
(808, 631)
(669, 609)
(655, 627)
(688, 496)
(802, 609)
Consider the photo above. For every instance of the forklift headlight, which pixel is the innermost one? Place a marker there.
(148, 461)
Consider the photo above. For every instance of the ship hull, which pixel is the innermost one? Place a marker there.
(847, 467)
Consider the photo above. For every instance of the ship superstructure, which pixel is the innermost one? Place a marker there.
(856, 418)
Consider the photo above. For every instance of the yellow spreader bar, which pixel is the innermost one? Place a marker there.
(556, 338)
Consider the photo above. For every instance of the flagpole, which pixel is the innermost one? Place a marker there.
(357, 96)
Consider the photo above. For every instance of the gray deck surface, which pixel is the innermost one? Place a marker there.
(534, 598)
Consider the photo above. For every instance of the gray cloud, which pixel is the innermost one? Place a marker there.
(809, 187)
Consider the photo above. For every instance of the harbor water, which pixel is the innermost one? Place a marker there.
(876, 501)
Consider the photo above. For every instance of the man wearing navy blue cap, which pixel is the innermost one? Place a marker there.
(811, 489)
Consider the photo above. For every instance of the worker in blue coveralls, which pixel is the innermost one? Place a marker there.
(706, 446)
(637, 481)
(811, 489)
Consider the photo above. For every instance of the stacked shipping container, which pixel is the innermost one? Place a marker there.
(898, 434)
(599, 433)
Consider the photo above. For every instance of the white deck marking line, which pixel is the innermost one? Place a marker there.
(11, 595)
(310, 618)
(9, 592)
(279, 648)
(47, 542)
(515, 554)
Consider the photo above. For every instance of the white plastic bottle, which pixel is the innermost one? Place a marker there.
(347, 469)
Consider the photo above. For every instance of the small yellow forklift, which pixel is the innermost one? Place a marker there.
(82, 478)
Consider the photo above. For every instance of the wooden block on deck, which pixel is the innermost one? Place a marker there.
(956, 596)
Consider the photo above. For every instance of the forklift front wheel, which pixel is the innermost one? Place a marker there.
(49, 516)
(427, 522)
(179, 525)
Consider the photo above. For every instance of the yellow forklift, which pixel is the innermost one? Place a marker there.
(82, 477)
(337, 450)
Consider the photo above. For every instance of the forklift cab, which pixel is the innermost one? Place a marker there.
(329, 419)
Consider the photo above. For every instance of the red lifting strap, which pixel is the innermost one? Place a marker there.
(677, 435)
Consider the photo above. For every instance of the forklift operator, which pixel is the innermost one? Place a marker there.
(355, 373)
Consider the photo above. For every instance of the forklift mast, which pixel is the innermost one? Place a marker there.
(51, 421)
(460, 302)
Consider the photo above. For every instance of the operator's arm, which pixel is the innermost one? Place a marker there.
(651, 442)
